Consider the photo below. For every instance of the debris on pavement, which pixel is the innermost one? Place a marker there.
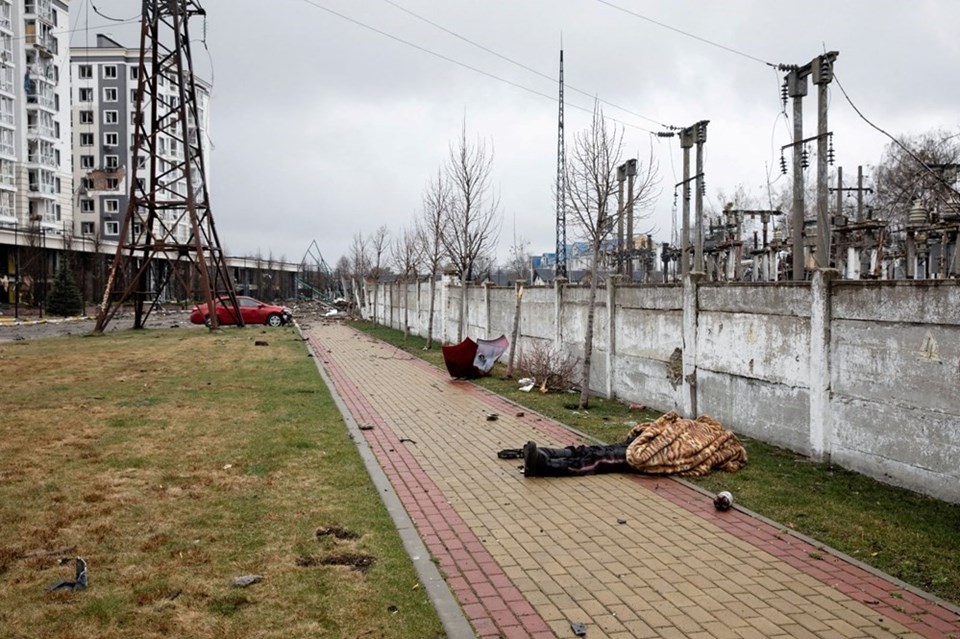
(723, 501)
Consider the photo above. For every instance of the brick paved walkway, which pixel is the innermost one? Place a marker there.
(629, 556)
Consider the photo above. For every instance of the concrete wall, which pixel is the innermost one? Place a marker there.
(864, 374)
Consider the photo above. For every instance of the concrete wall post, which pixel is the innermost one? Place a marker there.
(821, 416)
(486, 308)
(558, 286)
(613, 282)
(691, 286)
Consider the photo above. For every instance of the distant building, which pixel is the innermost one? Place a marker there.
(35, 173)
(104, 107)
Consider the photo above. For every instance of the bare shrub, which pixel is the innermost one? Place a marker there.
(551, 369)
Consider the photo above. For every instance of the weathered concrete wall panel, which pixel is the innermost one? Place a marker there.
(898, 364)
(774, 348)
(661, 297)
(765, 298)
(905, 301)
(773, 413)
(909, 446)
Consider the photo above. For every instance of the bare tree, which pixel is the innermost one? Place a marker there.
(518, 262)
(591, 198)
(360, 261)
(472, 222)
(342, 274)
(436, 201)
(921, 167)
(405, 252)
(378, 249)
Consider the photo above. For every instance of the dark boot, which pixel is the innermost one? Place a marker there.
(573, 460)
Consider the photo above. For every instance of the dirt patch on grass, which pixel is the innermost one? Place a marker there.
(355, 561)
(336, 532)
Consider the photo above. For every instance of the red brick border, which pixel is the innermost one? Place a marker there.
(490, 600)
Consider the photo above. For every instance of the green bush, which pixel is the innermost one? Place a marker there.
(65, 298)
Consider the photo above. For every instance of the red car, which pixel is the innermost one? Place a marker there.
(251, 310)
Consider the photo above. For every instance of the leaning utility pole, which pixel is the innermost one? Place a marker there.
(561, 267)
(168, 217)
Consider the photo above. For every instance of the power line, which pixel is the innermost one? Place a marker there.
(913, 155)
(462, 64)
(519, 64)
(686, 33)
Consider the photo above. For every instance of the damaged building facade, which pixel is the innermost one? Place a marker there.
(861, 373)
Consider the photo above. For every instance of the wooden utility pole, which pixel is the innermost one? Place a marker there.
(797, 89)
(621, 247)
(822, 70)
(686, 142)
(701, 138)
(631, 176)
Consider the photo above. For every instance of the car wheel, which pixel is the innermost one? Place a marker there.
(274, 320)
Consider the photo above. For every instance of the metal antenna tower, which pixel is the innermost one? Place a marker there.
(561, 270)
(168, 219)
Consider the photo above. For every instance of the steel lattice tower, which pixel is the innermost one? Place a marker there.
(168, 226)
(561, 269)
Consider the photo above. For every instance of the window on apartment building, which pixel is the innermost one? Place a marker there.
(56, 130)
(56, 184)
(86, 95)
(141, 185)
(86, 117)
(111, 161)
(134, 73)
(111, 228)
(86, 183)
(53, 15)
(86, 139)
(110, 71)
(86, 161)
(137, 228)
(86, 205)
(56, 157)
(85, 71)
(57, 212)
(111, 206)
(133, 117)
(111, 138)
(141, 162)
(110, 94)
(111, 117)
(86, 228)
(113, 184)
(133, 96)
(56, 74)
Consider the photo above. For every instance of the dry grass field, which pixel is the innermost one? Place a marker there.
(173, 461)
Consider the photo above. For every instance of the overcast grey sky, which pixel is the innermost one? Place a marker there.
(323, 128)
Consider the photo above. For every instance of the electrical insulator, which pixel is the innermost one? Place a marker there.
(703, 187)
(686, 192)
(784, 93)
(830, 154)
(804, 158)
(674, 197)
(783, 164)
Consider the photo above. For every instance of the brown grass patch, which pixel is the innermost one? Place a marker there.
(183, 460)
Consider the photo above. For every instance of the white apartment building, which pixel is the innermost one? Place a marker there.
(35, 164)
(104, 108)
